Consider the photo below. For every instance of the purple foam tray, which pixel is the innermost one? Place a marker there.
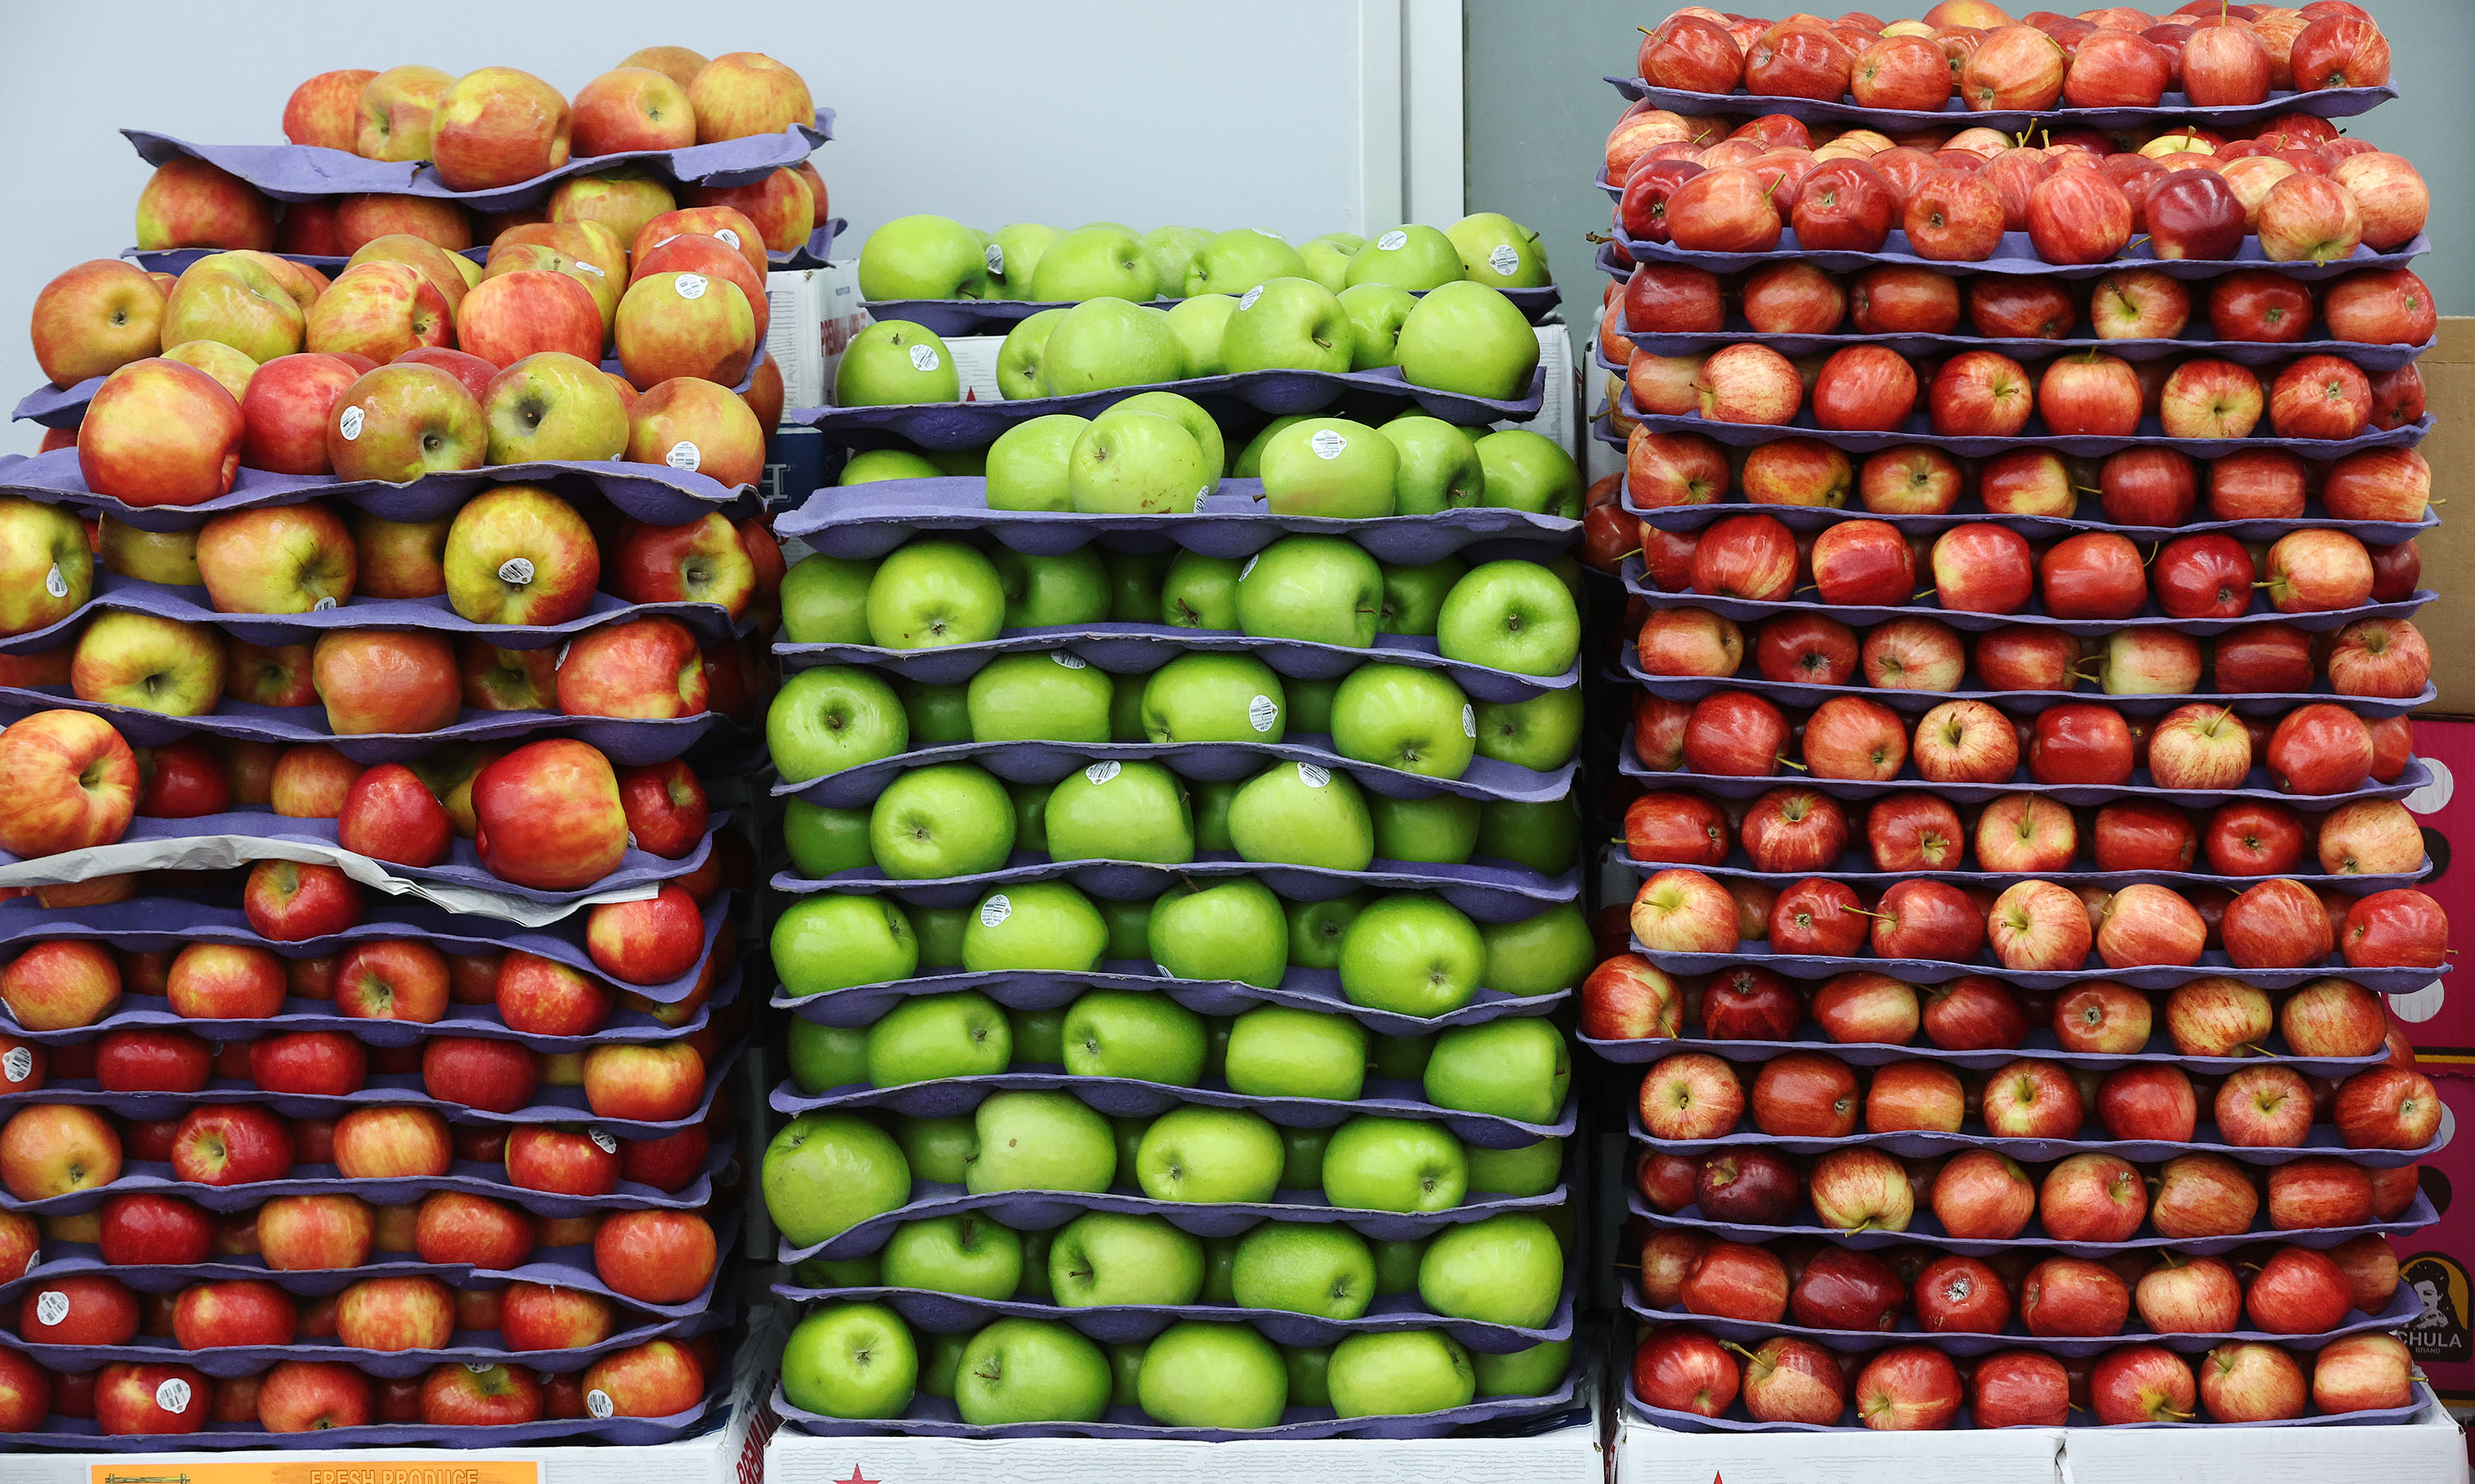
(2197, 339)
(1926, 1231)
(1140, 648)
(2171, 109)
(2039, 1046)
(1281, 392)
(1137, 1323)
(1859, 615)
(1858, 869)
(2148, 976)
(1926, 1145)
(863, 522)
(1126, 1097)
(654, 493)
(1487, 894)
(1793, 693)
(2036, 527)
(1487, 779)
(1300, 989)
(1042, 1210)
(1738, 1419)
(2402, 1306)
(2014, 255)
(998, 316)
(309, 172)
(814, 253)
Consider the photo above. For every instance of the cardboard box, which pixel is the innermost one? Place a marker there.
(2435, 1262)
(2439, 1018)
(2449, 552)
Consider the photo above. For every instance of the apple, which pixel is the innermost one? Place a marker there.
(2362, 1372)
(399, 422)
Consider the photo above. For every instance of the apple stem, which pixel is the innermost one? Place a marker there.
(1792, 762)
(1921, 593)
(1862, 912)
(1594, 236)
(2252, 1048)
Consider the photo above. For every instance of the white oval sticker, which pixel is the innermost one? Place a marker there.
(1505, 259)
(1249, 566)
(1099, 773)
(1262, 712)
(349, 422)
(1070, 661)
(729, 234)
(923, 357)
(1469, 720)
(1246, 300)
(34, 1259)
(17, 1065)
(601, 1140)
(691, 286)
(518, 570)
(994, 256)
(1326, 443)
(51, 1306)
(1392, 241)
(173, 1395)
(597, 1401)
(593, 269)
(323, 605)
(996, 911)
(56, 584)
(684, 456)
(1313, 777)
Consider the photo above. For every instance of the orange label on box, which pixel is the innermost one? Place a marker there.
(355, 1470)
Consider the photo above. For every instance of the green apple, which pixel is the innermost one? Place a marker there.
(930, 1036)
(923, 257)
(1209, 1155)
(1310, 1382)
(824, 840)
(1535, 1371)
(1302, 1157)
(1408, 256)
(1405, 718)
(1013, 257)
(1134, 1034)
(1102, 344)
(1440, 469)
(1440, 829)
(1320, 589)
(1031, 1370)
(1199, 1375)
(1098, 262)
(1329, 466)
(1040, 1141)
(1517, 1068)
(961, 463)
(1249, 462)
(825, 600)
(1297, 814)
(1219, 1267)
(872, 466)
(967, 1254)
(1315, 928)
(1135, 584)
(1531, 1170)
(1067, 590)
(1125, 1373)
(851, 1360)
(1172, 250)
(1106, 1258)
(1027, 463)
(1506, 1269)
(823, 1058)
(1200, 592)
(1125, 709)
(1544, 837)
(835, 716)
(1216, 1046)
(1540, 733)
(1129, 1134)
(1327, 257)
(849, 1273)
(1276, 1051)
(1394, 1164)
(1212, 798)
(1230, 930)
(1413, 954)
(1508, 614)
(939, 1150)
(1187, 413)
(1304, 1268)
(821, 943)
(1499, 251)
(1030, 804)
(1291, 323)
(1138, 463)
(1022, 357)
(1038, 1035)
(1049, 695)
(945, 819)
(1200, 324)
(940, 715)
(1540, 954)
(1129, 928)
(1396, 1266)
(1214, 696)
(1468, 338)
(940, 1364)
(1034, 926)
(1527, 471)
(940, 929)
(1310, 704)
(895, 363)
(1413, 596)
(1034, 1269)
(1114, 811)
(825, 1173)
(1376, 313)
(934, 592)
(1236, 261)
(1399, 1372)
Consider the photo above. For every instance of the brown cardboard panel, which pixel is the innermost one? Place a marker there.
(2449, 552)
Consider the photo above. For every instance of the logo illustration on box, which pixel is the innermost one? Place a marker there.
(2440, 1334)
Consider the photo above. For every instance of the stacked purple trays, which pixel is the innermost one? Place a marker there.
(1824, 1212)
(442, 934)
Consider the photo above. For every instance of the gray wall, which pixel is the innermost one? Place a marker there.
(1538, 116)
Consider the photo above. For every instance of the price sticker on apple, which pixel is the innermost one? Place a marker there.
(516, 571)
(923, 357)
(726, 234)
(597, 1401)
(1469, 720)
(1328, 443)
(1262, 712)
(34, 1259)
(1313, 777)
(323, 605)
(1070, 661)
(593, 269)
(54, 583)
(996, 911)
(684, 456)
(173, 1395)
(995, 257)
(1099, 773)
(51, 1306)
(1392, 241)
(349, 422)
(691, 286)
(1246, 300)
(601, 1140)
(18, 1064)
(1505, 259)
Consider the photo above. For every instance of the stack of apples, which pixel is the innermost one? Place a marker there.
(2019, 854)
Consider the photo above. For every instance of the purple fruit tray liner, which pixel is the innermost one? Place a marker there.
(1038, 989)
(936, 1416)
(1126, 1097)
(1137, 1323)
(309, 172)
(458, 884)
(2198, 339)
(863, 522)
(1858, 869)
(2016, 254)
(814, 253)
(1140, 648)
(998, 316)
(2025, 703)
(1487, 894)
(2324, 1139)
(480, 1178)
(1040, 763)
(2174, 107)
(2039, 1046)
(1282, 393)
(2036, 527)
(1738, 1419)
(2034, 616)
(1925, 1230)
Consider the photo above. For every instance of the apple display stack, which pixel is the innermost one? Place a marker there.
(372, 982)
(2021, 533)
(1176, 757)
